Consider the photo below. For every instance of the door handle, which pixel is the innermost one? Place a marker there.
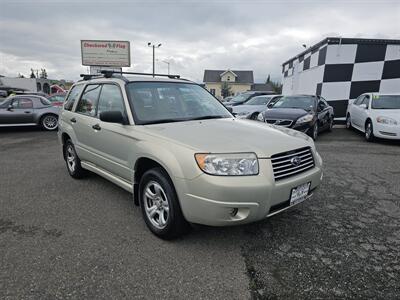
(27, 112)
(96, 127)
(73, 120)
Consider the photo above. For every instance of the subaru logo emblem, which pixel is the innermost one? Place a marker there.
(295, 161)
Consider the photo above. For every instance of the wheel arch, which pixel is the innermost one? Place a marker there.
(142, 165)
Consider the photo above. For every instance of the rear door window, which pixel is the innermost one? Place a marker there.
(73, 96)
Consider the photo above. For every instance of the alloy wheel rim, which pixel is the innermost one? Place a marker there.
(50, 122)
(368, 131)
(156, 205)
(71, 158)
(348, 122)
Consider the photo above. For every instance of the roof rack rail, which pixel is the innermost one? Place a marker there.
(89, 76)
(108, 73)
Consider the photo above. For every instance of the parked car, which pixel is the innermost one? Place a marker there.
(254, 106)
(28, 110)
(376, 115)
(57, 99)
(227, 99)
(246, 96)
(309, 114)
(184, 157)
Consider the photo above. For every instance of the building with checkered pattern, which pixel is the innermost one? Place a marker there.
(341, 69)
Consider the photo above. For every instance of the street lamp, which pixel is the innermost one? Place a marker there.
(168, 63)
(154, 47)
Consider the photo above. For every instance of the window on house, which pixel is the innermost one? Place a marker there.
(228, 78)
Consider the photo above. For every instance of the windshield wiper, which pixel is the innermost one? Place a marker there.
(162, 121)
(208, 117)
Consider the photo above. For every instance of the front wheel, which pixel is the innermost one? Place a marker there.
(369, 132)
(160, 206)
(330, 128)
(314, 131)
(49, 122)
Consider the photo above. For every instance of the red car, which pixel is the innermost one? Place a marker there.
(57, 99)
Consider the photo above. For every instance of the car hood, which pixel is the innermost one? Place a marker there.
(285, 113)
(248, 108)
(390, 113)
(230, 135)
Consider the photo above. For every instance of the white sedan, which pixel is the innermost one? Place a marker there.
(377, 115)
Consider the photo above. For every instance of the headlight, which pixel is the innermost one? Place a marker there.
(305, 119)
(260, 117)
(386, 121)
(229, 164)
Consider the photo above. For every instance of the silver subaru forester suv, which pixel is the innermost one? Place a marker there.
(182, 154)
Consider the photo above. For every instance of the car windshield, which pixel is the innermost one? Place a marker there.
(386, 102)
(240, 98)
(259, 100)
(304, 102)
(162, 102)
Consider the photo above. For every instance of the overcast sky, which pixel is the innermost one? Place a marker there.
(195, 35)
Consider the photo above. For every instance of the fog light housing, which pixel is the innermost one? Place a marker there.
(233, 211)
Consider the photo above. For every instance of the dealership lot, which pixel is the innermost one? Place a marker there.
(62, 238)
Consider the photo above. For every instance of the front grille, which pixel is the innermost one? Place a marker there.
(285, 123)
(291, 163)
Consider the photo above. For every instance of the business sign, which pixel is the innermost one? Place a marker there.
(106, 53)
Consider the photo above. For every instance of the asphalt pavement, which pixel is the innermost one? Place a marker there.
(62, 238)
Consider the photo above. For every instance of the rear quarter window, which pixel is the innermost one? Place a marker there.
(73, 96)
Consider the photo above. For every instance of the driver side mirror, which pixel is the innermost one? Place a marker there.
(10, 107)
(230, 109)
(363, 106)
(113, 117)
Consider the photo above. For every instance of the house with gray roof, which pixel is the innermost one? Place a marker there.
(238, 81)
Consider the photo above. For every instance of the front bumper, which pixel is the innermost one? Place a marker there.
(231, 200)
(383, 131)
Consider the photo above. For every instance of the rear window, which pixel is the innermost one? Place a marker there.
(45, 101)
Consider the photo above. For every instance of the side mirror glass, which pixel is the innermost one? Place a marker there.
(363, 106)
(10, 107)
(113, 117)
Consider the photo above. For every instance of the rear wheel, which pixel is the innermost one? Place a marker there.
(348, 122)
(72, 160)
(369, 131)
(49, 122)
(254, 116)
(160, 206)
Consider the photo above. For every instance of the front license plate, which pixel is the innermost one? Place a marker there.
(299, 193)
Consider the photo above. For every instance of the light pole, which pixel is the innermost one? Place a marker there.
(168, 63)
(154, 47)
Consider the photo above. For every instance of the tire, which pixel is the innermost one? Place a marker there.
(160, 206)
(254, 116)
(369, 131)
(348, 122)
(49, 122)
(314, 131)
(72, 161)
(331, 122)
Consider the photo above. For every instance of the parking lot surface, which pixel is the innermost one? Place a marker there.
(74, 239)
